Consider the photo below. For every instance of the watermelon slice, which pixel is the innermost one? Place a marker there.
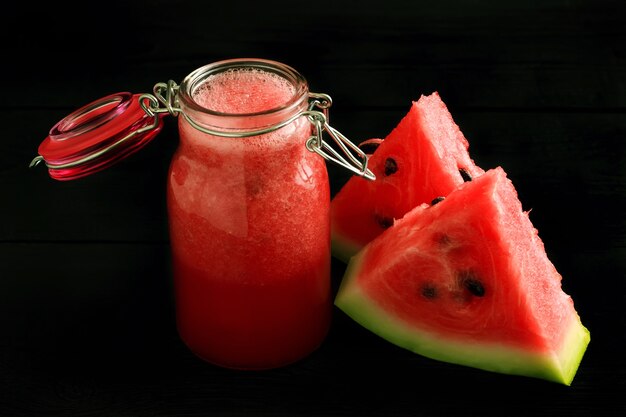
(467, 281)
(424, 157)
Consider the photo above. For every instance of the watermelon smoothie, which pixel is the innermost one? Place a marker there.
(248, 219)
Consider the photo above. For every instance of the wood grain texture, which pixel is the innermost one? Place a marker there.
(87, 325)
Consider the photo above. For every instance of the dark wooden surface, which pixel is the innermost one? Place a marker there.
(86, 319)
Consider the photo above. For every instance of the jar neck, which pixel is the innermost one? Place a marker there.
(241, 95)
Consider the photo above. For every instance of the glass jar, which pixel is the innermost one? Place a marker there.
(248, 218)
(247, 196)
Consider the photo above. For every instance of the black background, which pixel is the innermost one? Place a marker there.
(86, 318)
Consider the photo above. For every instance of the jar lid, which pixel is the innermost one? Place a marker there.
(97, 136)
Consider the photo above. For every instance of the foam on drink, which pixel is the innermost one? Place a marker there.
(240, 91)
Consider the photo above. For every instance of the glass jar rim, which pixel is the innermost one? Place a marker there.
(197, 77)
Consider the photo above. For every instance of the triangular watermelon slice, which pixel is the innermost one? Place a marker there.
(424, 157)
(467, 280)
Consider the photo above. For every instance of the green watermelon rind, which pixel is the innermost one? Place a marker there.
(560, 367)
(342, 248)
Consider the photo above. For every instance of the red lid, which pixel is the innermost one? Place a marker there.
(97, 135)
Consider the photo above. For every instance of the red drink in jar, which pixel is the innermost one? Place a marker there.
(248, 213)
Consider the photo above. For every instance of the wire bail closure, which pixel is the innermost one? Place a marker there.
(164, 100)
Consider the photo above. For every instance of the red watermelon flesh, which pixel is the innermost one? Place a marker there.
(468, 281)
(424, 157)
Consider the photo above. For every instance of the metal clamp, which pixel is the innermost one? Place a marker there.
(152, 108)
(317, 144)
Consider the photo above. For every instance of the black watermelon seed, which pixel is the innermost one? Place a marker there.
(429, 291)
(391, 166)
(465, 175)
(384, 222)
(442, 239)
(369, 148)
(474, 286)
(437, 200)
